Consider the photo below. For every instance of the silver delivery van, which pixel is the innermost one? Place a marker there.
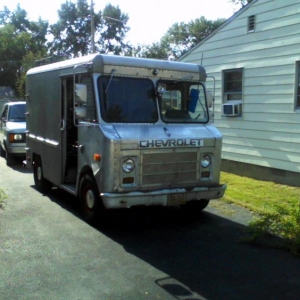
(120, 131)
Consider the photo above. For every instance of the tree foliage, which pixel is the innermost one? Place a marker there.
(18, 36)
(72, 33)
(241, 2)
(28, 62)
(180, 38)
(18, 19)
(113, 31)
(155, 50)
(22, 41)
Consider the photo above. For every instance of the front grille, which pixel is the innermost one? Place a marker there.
(169, 168)
(23, 138)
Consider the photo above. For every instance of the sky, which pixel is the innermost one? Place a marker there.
(149, 20)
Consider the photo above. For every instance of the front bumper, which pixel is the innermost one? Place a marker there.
(166, 197)
(16, 149)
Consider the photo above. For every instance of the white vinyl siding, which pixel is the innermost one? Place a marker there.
(268, 134)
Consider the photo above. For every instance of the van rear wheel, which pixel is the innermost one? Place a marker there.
(89, 197)
(42, 184)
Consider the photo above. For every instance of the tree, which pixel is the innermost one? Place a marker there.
(72, 33)
(18, 19)
(180, 38)
(113, 31)
(155, 50)
(28, 61)
(18, 36)
(241, 2)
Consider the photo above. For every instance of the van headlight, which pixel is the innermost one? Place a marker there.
(14, 137)
(205, 161)
(128, 165)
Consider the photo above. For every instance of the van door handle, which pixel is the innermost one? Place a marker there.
(62, 124)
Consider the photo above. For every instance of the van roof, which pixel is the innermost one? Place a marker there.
(101, 62)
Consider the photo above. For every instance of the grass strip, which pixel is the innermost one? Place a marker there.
(277, 205)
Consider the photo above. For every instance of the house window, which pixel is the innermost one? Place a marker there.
(232, 93)
(251, 23)
(297, 100)
(233, 83)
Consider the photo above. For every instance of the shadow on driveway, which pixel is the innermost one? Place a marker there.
(203, 257)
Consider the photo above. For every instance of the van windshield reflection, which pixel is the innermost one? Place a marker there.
(182, 102)
(127, 100)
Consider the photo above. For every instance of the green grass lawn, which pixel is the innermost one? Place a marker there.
(277, 205)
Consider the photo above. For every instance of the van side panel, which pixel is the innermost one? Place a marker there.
(44, 120)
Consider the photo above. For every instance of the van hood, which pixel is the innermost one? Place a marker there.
(167, 135)
(19, 127)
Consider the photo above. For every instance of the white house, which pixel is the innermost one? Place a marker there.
(255, 60)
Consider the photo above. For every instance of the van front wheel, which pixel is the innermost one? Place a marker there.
(195, 206)
(89, 198)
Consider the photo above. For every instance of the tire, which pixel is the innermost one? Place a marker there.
(89, 198)
(2, 152)
(9, 159)
(42, 184)
(194, 207)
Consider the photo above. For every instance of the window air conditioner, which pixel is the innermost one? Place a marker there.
(232, 108)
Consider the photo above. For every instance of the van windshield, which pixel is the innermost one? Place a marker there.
(17, 113)
(127, 100)
(182, 102)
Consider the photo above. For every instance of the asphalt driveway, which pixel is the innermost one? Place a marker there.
(48, 252)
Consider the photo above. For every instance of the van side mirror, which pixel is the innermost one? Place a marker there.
(210, 99)
(80, 93)
(80, 112)
(80, 101)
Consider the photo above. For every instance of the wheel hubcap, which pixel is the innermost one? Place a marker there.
(90, 199)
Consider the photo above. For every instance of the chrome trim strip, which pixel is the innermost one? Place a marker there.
(43, 140)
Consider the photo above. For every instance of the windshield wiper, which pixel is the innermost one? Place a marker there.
(113, 71)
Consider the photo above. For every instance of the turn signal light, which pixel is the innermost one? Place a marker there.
(128, 180)
(205, 174)
(97, 157)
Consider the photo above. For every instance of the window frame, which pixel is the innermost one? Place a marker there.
(229, 95)
(225, 92)
(297, 87)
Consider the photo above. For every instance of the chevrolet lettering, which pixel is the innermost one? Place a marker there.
(171, 143)
(118, 132)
